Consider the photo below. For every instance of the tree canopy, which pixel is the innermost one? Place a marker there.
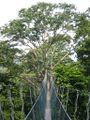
(50, 33)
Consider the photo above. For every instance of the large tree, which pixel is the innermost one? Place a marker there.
(47, 29)
(83, 46)
(42, 26)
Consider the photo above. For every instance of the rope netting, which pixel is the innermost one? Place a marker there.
(38, 109)
(26, 102)
(48, 105)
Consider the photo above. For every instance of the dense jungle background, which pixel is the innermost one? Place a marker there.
(48, 36)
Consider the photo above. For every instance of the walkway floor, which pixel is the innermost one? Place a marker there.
(48, 109)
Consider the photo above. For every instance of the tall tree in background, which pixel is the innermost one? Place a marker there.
(83, 37)
(83, 46)
(41, 26)
(47, 29)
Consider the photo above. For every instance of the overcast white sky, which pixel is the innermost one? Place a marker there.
(9, 8)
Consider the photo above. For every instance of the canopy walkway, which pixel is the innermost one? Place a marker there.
(27, 102)
(47, 105)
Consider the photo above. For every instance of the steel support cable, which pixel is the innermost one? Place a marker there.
(34, 104)
(37, 105)
(57, 110)
(63, 114)
(68, 118)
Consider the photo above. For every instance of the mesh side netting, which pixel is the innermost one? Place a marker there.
(57, 109)
(38, 110)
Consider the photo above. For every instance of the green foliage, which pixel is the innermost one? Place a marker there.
(33, 23)
(17, 100)
(72, 76)
(45, 29)
(83, 53)
(83, 36)
(83, 46)
(9, 68)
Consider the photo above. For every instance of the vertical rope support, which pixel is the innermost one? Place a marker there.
(31, 96)
(88, 108)
(31, 101)
(62, 95)
(22, 101)
(76, 104)
(57, 90)
(11, 103)
(34, 90)
(67, 99)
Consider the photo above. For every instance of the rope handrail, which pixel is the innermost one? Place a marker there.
(34, 104)
(61, 104)
(34, 112)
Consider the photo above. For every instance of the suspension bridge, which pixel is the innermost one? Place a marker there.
(47, 106)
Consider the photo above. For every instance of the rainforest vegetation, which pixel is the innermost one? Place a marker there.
(45, 36)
